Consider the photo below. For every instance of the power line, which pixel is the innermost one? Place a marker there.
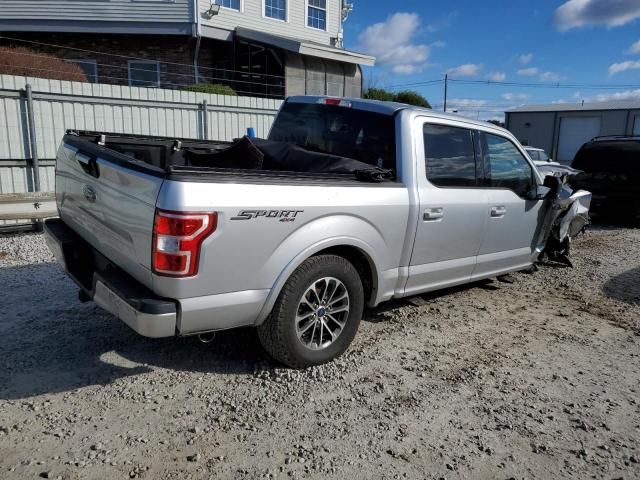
(546, 85)
(426, 82)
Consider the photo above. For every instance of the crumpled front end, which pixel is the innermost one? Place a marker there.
(568, 216)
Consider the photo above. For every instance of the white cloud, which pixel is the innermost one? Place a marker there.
(607, 97)
(581, 13)
(469, 103)
(466, 70)
(438, 44)
(624, 66)
(635, 48)
(391, 43)
(497, 76)
(526, 58)
(549, 77)
(406, 69)
(528, 72)
(510, 97)
(442, 23)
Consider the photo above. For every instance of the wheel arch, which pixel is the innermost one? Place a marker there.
(357, 252)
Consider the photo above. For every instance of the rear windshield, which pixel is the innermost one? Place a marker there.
(365, 136)
(617, 156)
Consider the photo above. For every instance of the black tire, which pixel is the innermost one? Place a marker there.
(278, 333)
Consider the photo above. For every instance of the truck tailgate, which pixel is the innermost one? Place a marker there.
(108, 203)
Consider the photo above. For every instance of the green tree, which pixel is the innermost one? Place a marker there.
(407, 96)
(379, 94)
(412, 98)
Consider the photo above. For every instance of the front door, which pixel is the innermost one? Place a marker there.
(512, 220)
(452, 208)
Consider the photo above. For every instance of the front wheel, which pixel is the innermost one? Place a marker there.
(317, 313)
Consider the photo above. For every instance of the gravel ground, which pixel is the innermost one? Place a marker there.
(537, 378)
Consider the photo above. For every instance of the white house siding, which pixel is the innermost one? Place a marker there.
(169, 11)
(251, 16)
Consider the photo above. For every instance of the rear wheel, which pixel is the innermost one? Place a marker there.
(317, 313)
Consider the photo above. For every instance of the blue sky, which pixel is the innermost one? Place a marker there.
(566, 42)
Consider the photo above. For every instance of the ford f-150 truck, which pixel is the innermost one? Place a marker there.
(347, 203)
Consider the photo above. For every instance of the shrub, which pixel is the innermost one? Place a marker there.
(379, 94)
(412, 98)
(407, 96)
(213, 88)
(30, 63)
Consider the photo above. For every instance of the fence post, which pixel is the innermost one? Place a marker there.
(33, 144)
(205, 120)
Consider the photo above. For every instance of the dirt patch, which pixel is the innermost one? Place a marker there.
(534, 379)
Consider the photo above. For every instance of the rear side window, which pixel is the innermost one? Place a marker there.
(507, 167)
(449, 156)
(343, 131)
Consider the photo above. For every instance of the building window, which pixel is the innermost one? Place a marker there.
(89, 68)
(144, 73)
(276, 9)
(232, 4)
(317, 14)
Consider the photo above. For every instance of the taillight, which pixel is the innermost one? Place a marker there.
(336, 102)
(177, 238)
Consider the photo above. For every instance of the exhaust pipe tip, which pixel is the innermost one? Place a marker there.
(207, 338)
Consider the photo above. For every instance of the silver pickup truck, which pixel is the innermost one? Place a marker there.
(347, 203)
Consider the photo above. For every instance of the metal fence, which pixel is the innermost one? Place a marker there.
(58, 105)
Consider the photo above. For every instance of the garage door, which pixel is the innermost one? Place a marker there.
(575, 132)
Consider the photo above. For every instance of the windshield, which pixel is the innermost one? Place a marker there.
(365, 136)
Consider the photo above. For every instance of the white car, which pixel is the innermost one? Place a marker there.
(538, 155)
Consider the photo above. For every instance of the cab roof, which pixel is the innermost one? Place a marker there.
(388, 108)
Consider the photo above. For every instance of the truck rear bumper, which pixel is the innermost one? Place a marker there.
(109, 286)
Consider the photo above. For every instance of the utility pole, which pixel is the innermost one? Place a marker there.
(446, 81)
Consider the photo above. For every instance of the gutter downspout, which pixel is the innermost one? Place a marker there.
(197, 33)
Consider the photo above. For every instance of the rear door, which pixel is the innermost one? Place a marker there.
(453, 207)
(512, 220)
(107, 201)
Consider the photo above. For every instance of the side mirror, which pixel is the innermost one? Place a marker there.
(538, 192)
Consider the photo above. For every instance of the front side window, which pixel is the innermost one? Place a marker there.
(449, 156)
(507, 167)
(233, 4)
(275, 9)
(144, 74)
(317, 14)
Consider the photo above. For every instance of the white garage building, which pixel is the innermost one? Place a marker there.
(562, 128)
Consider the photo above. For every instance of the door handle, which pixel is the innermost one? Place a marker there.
(431, 214)
(498, 211)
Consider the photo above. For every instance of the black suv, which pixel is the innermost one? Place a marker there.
(611, 172)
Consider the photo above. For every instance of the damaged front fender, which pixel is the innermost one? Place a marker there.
(567, 216)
